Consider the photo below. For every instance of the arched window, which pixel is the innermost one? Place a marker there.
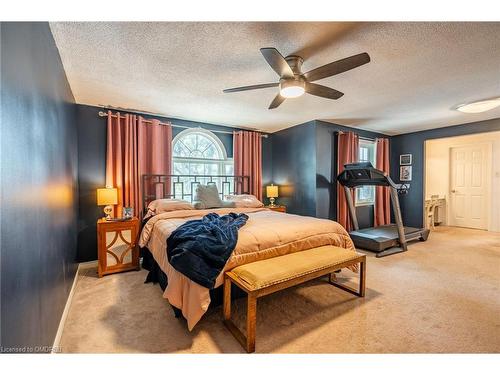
(198, 151)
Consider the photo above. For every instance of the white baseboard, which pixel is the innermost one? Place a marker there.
(87, 265)
(62, 322)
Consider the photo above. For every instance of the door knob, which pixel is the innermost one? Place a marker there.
(453, 191)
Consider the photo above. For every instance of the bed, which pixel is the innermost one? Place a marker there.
(267, 234)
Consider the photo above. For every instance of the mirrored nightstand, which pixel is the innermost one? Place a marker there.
(117, 246)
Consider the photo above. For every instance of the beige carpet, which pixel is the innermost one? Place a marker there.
(440, 296)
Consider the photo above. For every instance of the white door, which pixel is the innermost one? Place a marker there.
(470, 174)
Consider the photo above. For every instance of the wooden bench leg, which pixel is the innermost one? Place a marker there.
(362, 278)
(251, 322)
(226, 306)
(360, 292)
(247, 342)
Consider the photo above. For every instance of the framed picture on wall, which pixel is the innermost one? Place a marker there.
(405, 173)
(405, 159)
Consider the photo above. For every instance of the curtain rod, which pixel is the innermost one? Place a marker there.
(360, 136)
(104, 114)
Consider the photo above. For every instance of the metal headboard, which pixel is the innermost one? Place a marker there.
(158, 186)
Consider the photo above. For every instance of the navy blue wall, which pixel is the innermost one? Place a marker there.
(294, 166)
(39, 186)
(91, 176)
(92, 168)
(413, 143)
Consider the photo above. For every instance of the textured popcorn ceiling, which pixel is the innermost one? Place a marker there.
(418, 72)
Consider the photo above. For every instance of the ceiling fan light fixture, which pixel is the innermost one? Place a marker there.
(292, 88)
(479, 106)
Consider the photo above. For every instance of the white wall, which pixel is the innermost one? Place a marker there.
(437, 168)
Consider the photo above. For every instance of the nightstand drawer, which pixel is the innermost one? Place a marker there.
(117, 246)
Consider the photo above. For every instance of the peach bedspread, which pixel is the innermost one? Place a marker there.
(266, 234)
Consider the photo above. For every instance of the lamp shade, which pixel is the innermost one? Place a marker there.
(272, 191)
(107, 196)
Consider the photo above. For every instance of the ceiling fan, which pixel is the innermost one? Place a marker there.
(293, 83)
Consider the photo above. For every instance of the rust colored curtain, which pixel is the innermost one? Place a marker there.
(135, 146)
(348, 151)
(247, 149)
(382, 196)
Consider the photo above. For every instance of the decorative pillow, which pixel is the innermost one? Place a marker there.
(245, 200)
(207, 196)
(159, 206)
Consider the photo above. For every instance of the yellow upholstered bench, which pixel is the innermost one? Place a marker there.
(271, 275)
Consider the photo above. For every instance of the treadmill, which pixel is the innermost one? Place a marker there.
(385, 239)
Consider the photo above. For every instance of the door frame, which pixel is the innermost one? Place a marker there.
(489, 169)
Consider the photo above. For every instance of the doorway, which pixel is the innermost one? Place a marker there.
(462, 178)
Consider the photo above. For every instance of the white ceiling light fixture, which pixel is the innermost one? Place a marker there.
(292, 88)
(479, 106)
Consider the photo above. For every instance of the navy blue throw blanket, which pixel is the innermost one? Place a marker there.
(199, 249)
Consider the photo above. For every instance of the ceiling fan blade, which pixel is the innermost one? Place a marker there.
(253, 87)
(337, 67)
(277, 62)
(323, 91)
(277, 101)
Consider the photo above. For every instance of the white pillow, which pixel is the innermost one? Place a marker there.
(245, 200)
(159, 206)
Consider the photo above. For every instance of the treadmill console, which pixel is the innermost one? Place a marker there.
(363, 174)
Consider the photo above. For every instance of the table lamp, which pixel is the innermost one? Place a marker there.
(272, 192)
(107, 197)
